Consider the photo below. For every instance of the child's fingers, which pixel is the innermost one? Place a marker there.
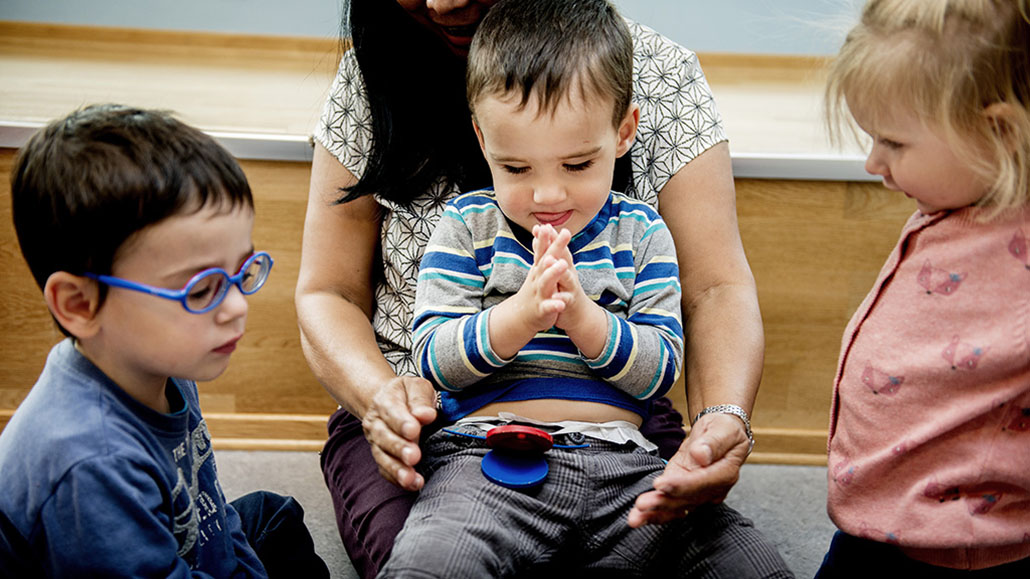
(546, 232)
(567, 254)
(569, 279)
(559, 246)
(554, 306)
(551, 273)
(564, 297)
(543, 237)
(539, 267)
(547, 241)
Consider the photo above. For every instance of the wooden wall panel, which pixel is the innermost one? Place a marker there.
(27, 333)
(815, 249)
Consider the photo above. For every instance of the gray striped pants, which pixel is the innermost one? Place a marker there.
(464, 526)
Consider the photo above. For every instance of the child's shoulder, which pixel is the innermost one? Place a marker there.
(479, 207)
(479, 197)
(69, 417)
(623, 204)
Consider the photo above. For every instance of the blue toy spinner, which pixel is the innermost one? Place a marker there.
(517, 460)
(514, 470)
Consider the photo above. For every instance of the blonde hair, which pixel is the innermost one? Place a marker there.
(945, 61)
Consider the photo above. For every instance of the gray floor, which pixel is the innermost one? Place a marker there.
(788, 503)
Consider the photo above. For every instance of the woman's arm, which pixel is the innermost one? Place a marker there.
(725, 342)
(723, 327)
(334, 300)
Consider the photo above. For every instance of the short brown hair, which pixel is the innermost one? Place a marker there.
(545, 47)
(86, 183)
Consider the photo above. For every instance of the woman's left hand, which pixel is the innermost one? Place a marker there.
(703, 470)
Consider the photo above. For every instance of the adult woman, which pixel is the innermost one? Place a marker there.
(395, 142)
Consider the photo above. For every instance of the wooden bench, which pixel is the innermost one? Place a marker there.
(815, 245)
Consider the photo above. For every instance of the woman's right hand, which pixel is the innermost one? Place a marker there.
(393, 423)
(334, 302)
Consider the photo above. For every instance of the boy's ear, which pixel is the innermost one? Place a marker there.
(1003, 120)
(628, 129)
(479, 135)
(73, 301)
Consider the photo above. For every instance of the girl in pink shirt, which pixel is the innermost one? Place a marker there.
(929, 448)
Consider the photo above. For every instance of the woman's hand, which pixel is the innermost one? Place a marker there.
(724, 340)
(703, 470)
(334, 301)
(393, 423)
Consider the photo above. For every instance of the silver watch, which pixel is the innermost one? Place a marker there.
(734, 410)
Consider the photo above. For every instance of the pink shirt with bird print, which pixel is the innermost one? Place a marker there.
(929, 443)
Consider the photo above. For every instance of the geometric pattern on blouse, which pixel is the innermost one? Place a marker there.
(678, 121)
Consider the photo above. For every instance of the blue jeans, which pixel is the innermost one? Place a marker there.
(274, 526)
(854, 557)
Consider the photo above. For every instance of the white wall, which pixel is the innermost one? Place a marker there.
(320, 18)
(748, 26)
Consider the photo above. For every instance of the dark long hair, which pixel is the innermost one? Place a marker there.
(421, 125)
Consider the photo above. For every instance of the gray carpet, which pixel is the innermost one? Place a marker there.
(788, 503)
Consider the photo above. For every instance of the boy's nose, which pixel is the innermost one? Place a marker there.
(548, 194)
(234, 306)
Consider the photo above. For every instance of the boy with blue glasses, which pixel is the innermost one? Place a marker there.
(138, 230)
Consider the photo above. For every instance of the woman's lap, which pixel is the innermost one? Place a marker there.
(370, 511)
(664, 427)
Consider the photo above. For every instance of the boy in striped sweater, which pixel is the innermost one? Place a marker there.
(549, 301)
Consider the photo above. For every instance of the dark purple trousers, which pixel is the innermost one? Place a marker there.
(370, 511)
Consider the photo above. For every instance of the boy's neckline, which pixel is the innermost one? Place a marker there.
(525, 238)
(174, 403)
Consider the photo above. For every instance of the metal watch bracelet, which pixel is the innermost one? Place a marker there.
(734, 410)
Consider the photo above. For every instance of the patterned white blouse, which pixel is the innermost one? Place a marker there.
(678, 121)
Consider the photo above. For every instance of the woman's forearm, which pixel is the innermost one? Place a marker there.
(334, 294)
(722, 322)
(725, 348)
(341, 349)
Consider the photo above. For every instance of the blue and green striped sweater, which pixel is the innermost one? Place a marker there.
(476, 258)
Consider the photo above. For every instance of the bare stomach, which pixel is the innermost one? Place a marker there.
(556, 410)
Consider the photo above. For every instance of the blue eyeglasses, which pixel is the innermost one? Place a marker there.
(206, 290)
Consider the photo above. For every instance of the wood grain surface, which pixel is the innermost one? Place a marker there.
(815, 247)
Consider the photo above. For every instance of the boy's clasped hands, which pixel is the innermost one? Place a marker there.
(552, 287)
(553, 297)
